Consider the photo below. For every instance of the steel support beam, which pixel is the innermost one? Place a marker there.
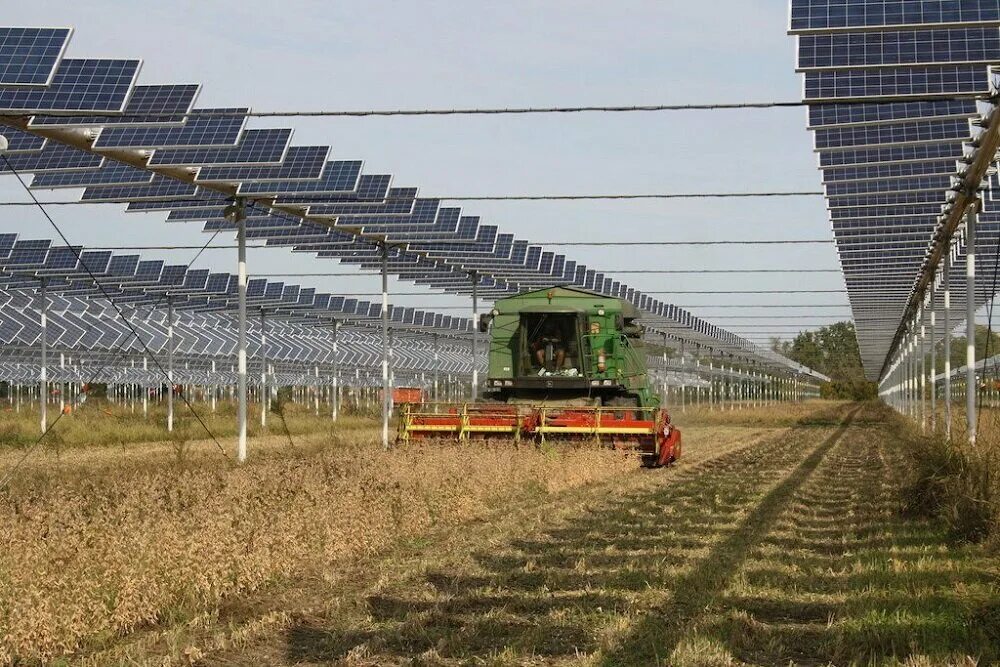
(970, 324)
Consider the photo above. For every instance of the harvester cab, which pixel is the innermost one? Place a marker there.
(564, 364)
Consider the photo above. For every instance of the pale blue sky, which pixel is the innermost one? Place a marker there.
(381, 54)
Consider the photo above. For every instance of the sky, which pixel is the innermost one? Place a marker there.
(304, 55)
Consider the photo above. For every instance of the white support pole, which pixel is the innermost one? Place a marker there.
(947, 345)
(386, 393)
(970, 324)
(437, 364)
(263, 371)
(170, 364)
(475, 336)
(43, 376)
(931, 382)
(213, 388)
(239, 214)
(145, 388)
(336, 375)
(923, 374)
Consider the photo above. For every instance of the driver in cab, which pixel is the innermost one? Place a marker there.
(550, 335)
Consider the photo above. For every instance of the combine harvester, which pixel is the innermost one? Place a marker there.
(564, 365)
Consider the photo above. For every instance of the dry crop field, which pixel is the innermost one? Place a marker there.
(784, 536)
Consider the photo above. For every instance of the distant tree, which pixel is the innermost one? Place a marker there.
(832, 351)
(958, 349)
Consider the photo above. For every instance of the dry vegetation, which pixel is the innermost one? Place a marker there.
(111, 540)
(779, 541)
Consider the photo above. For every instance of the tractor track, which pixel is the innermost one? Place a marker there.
(574, 586)
(767, 553)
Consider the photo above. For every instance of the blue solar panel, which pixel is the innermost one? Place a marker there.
(254, 147)
(340, 176)
(28, 56)
(833, 14)
(27, 253)
(953, 81)
(399, 201)
(887, 171)
(903, 47)
(53, 156)
(161, 188)
(147, 105)
(206, 131)
(371, 187)
(885, 212)
(920, 197)
(902, 133)
(112, 173)
(914, 153)
(19, 141)
(300, 163)
(935, 183)
(826, 115)
(78, 85)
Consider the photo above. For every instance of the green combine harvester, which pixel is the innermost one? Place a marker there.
(564, 364)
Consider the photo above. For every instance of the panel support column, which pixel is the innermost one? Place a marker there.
(336, 375)
(43, 376)
(386, 397)
(947, 344)
(475, 336)
(263, 372)
(170, 363)
(970, 323)
(237, 213)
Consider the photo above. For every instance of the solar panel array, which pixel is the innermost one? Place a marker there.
(306, 198)
(890, 169)
(299, 321)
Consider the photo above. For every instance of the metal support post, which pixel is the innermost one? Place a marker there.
(238, 213)
(475, 335)
(385, 347)
(437, 359)
(336, 375)
(263, 372)
(947, 345)
(43, 375)
(931, 381)
(923, 374)
(970, 324)
(170, 363)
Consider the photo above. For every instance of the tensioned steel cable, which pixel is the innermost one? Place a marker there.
(551, 243)
(515, 197)
(493, 111)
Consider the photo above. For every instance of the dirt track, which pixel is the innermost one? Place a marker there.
(789, 548)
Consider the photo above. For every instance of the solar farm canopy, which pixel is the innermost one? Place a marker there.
(898, 91)
(88, 124)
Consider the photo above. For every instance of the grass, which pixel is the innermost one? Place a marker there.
(99, 423)
(779, 539)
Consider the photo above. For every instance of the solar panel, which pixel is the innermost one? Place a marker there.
(399, 201)
(19, 141)
(205, 131)
(78, 86)
(53, 156)
(147, 105)
(955, 80)
(28, 56)
(889, 170)
(112, 173)
(930, 131)
(913, 153)
(301, 163)
(827, 115)
(371, 187)
(979, 44)
(809, 15)
(254, 147)
(338, 177)
(160, 188)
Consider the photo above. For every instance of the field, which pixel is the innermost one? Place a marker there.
(786, 535)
